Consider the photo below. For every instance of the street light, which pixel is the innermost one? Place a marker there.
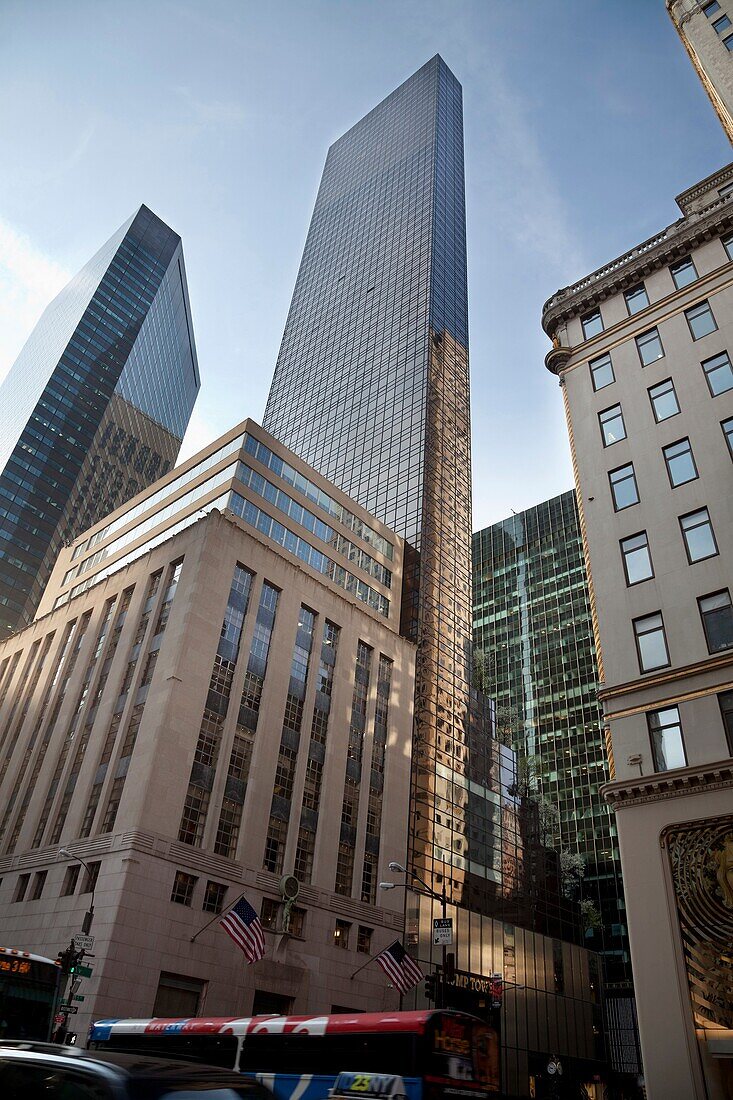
(441, 897)
(89, 915)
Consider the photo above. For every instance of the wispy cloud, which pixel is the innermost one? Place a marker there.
(216, 113)
(517, 180)
(29, 279)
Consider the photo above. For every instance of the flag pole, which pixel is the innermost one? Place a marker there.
(359, 970)
(216, 916)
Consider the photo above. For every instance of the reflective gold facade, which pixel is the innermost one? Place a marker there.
(439, 833)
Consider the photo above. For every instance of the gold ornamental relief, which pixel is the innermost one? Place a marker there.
(701, 858)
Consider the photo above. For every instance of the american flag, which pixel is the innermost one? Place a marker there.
(243, 925)
(400, 968)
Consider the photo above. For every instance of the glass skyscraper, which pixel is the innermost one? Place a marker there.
(95, 406)
(371, 387)
(532, 623)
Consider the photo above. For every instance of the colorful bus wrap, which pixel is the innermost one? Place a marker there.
(438, 1055)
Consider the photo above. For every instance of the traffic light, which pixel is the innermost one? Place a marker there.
(450, 967)
(70, 959)
(430, 987)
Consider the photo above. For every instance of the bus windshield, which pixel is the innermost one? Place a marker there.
(28, 990)
(437, 1054)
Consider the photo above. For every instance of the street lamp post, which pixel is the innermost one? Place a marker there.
(72, 956)
(89, 915)
(443, 899)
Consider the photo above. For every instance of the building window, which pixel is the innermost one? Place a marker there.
(683, 272)
(20, 887)
(725, 700)
(269, 1004)
(727, 426)
(636, 558)
(38, 883)
(651, 644)
(701, 321)
(697, 531)
(728, 43)
(649, 346)
(183, 887)
(91, 874)
(636, 299)
(178, 996)
(721, 24)
(612, 425)
(719, 374)
(341, 934)
(592, 324)
(269, 914)
(664, 400)
(214, 896)
(727, 243)
(623, 487)
(717, 620)
(601, 372)
(711, 7)
(680, 462)
(364, 939)
(70, 880)
(665, 731)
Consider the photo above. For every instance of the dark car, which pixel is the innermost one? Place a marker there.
(44, 1071)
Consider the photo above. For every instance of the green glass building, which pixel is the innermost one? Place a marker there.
(532, 623)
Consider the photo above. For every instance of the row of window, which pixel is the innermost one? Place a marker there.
(719, 25)
(215, 893)
(667, 740)
(701, 322)
(683, 273)
(697, 534)
(91, 874)
(679, 461)
(716, 614)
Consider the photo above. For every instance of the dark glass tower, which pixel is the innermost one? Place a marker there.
(95, 406)
(371, 387)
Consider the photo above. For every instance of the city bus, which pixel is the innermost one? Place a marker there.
(29, 986)
(439, 1055)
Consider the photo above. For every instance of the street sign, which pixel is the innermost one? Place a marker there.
(59, 1019)
(69, 1008)
(443, 931)
(82, 942)
(78, 997)
(84, 971)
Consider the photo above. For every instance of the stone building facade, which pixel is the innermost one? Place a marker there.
(705, 28)
(642, 349)
(215, 683)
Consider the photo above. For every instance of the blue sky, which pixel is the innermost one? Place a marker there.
(583, 120)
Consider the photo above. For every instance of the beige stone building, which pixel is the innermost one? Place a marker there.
(706, 30)
(642, 349)
(214, 683)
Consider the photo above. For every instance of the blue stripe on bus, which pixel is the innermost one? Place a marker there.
(307, 1086)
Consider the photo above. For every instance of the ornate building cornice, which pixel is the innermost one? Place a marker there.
(658, 251)
(636, 790)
